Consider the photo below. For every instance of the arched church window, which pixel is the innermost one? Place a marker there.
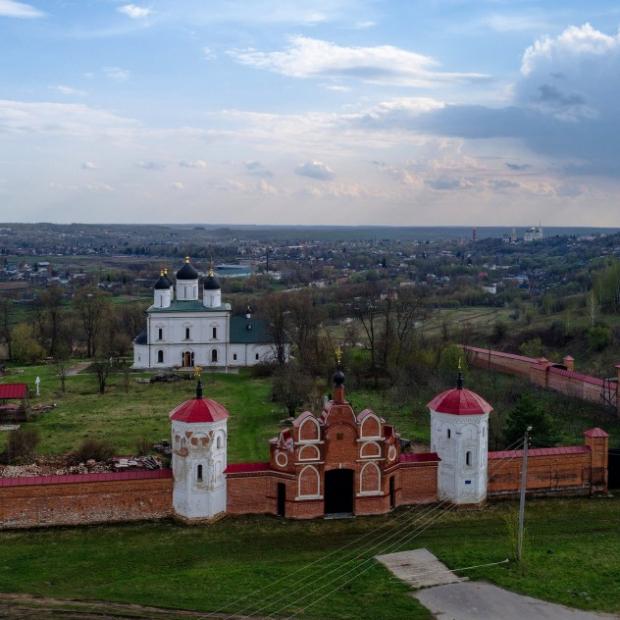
(218, 442)
(187, 333)
(449, 434)
(160, 357)
(215, 332)
(199, 473)
(160, 334)
(468, 458)
(214, 355)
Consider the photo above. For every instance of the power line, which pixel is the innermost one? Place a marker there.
(407, 537)
(426, 511)
(369, 560)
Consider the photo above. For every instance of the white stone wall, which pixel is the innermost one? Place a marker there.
(162, 298)
(198, 464)
(186, 290)
(462, 445)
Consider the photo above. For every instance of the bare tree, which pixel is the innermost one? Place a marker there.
(275, 311)
(369, 316)
(49, 317)
(92, 308)
(6, 308)
(304, 326)
(103, 368)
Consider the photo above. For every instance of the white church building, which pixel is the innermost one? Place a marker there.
(184, 330)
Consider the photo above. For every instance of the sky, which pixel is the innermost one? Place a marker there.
(344, 112)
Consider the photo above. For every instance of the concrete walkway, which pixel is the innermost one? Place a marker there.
(450, 597)
(419, 568)
(483, 601)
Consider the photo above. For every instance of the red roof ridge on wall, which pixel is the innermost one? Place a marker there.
(419, 457)
(112, 476)
(503, 454)
(242, 468)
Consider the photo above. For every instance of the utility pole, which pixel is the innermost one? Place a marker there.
(526, 439)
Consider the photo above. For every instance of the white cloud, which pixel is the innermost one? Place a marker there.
(306, 58)
(315, 170)
(117, 73)
(134, 11)
(197, 163)
(61, 118)
(68, 90)
(178, 185)
(89, 165)
(363, 25)
(256, 168)
(155, 166)
(11, 8)
(208, 53)
(337, 88)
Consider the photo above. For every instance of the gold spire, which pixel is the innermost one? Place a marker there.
(460, 367)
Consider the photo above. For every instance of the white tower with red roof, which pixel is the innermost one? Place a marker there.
(460, 436)
(199, 438)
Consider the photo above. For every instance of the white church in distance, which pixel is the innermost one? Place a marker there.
(183, 331)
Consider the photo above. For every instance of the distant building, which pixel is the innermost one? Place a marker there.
(534, 233)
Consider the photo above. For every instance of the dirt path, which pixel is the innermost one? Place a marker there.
(26, 607)
(78, 368)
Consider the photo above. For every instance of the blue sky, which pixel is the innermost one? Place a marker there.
(329, 111)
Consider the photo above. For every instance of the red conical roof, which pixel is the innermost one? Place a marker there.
(459, 401)
(199, 410)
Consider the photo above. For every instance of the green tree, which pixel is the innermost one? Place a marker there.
(532, 348)
(25, 347)
(530, 411)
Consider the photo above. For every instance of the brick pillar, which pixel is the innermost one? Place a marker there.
(598, 442)
(569, 362)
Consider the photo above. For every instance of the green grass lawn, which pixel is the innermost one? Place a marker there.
(572, 557)
(124, 418)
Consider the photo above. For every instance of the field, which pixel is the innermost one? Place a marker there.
(572, 557)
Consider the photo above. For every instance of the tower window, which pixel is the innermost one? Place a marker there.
(449, 434)
(199, 473)
(187, 333)
(160, 357)
(214, 332)
(160, 334)
(468, 458)
(235, 356)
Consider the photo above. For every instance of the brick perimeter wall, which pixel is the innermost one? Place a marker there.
(546, 475)
(78, 503)
(570, 383)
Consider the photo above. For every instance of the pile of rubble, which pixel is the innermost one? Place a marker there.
(139, 462)
(58, 466)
